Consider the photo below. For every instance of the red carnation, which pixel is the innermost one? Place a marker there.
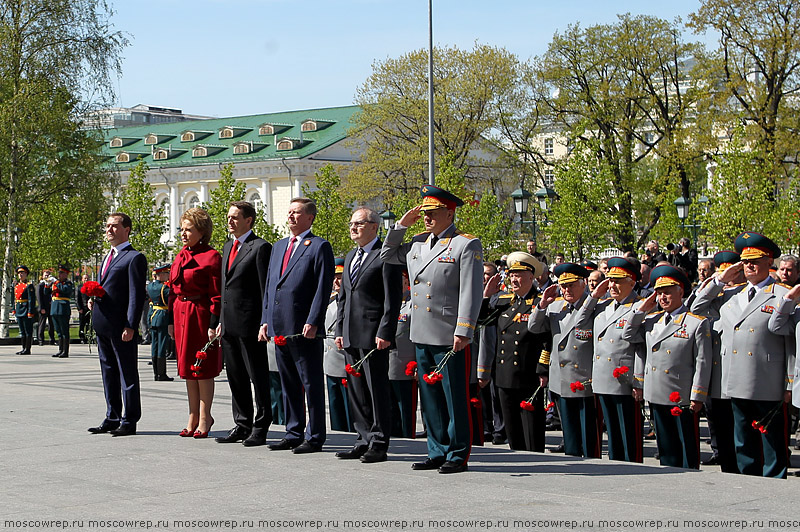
(756, 425)
(676, 411)
(280, 340)
(620, 371)
(525, 405)
(344, 382)
(577, 386)
(675, 397)
(762, 429)
(432, 378)
(201, 355)
(93, 289)
(195, 374)
(475, 402)
(411, 367)
(349, 369)
(550, 405)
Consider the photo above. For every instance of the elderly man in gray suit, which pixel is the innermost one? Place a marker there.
(445, 269)
(761, 361)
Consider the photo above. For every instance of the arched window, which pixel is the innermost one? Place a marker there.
(116, 142)
(187, 137)
(266, 129)
(160, 155)
(151, 139)
(123, 158)
(255, 199)
(199, 151)
(192, 202)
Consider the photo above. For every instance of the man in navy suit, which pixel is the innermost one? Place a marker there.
(299, 282)
(115, 318)
(369, 303)
(245, 260)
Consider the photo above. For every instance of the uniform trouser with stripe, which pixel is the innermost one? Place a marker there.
(677, 437)
(623, 417)
(25, 326)
(580, 426)
(760, 454)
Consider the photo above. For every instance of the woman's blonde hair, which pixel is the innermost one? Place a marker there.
(202, 222)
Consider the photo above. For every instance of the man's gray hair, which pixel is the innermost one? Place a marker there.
(788, 258)
(372, 215)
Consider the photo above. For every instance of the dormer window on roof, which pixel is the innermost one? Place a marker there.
(287, 143)
(229, 132)
(162, 154)
(153, 138)
(243, 147)
(129, 156)
(314, 125)
(273, 129)
(204, 150)
(119, 142)
(193, 135)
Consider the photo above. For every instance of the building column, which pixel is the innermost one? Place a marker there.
(203, 193)
(173, 211)
(266, 199)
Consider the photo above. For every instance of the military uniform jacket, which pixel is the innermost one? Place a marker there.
(446, 283)
(611, 351)
(158, 293)
(676, 358)
(24, 300)
(719, 364)
(62, 291)
(517, 350)
(404, 351)
(761, 362)
(572, 352)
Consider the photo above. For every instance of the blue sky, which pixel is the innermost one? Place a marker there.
(238, 57)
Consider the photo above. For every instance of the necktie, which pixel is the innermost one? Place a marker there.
(233, 253)
(355, 265)
(288, 254)
(111, 256)
(434, 239)
(751, 293)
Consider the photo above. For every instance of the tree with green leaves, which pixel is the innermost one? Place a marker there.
(333, 210)
(148, 220)
(57, 60)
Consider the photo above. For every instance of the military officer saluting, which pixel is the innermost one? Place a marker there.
(517, 352)
(674, 368)
(24, 308)
(158, 316)
(758, 342)
(614, 359)
(63, 290)
(570, 373)
(445, 269)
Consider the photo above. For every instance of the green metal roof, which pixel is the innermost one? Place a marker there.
(314, 141)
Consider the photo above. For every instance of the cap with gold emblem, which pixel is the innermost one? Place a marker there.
(434, 197)
(519, 261)
(666, 275)
(158, 268)
(569, 272)
(22, 268)
(725, 259)
(338, 266)
(755, 245)
(589, 265)
(619, 268)
(64, 268)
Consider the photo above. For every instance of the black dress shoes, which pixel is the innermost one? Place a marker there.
(713, 460)
(352, 454)
(307, 447)
(428, 464)
(453, 467)
(284, 445)
(234, 435)
(498, 439)
(559, 449)
(255, 440)
(105, 426)
(124, 430)
(373, 456)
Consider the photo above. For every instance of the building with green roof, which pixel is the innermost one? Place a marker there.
(274, 155)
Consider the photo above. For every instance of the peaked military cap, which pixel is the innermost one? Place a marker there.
(434, 197)
(22, 268)
(64, 268)
(569, 272)
(619, 268)
(338, 265)
(519, 261)
(752, 245)
(589, 265)
(666, 275)
(725, 259)
(161, 267)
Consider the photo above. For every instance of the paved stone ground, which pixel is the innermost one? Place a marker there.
(54, 475)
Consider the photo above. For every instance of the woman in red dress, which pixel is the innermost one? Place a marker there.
(194, 303)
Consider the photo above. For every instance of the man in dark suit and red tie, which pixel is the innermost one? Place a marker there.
(115, 317)
(369, 303)
(299, 284)
(245, 261)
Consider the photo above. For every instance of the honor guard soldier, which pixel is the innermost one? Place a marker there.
(570, 373)
(159, 319)
(757, 336)
(24, 309)
(445, 269)
(674, 368)
(519, 375)
(614, 359)
(63, 290)
(718, 408)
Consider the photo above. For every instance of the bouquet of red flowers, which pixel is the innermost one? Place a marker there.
(579, 386)
(411, 368)
(93, 289)
(527, 404)
(436, 375)
(761, 426)
(620, 371)
(352, 369)
(199, 357)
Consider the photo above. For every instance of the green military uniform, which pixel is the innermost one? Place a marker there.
(24, 309)
(158, 318)
(63, 290)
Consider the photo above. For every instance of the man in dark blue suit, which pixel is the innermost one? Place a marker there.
(115, 317)
(299, 282)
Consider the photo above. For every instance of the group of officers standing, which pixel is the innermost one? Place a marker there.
(594, 354)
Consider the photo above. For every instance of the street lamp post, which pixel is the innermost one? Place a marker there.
(521, 198)
(388, 218)
(682, 205)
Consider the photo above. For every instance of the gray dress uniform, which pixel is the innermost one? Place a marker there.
(404, 387)
(333, 363)
(758, 369)
(622, 415)
(570, 362)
